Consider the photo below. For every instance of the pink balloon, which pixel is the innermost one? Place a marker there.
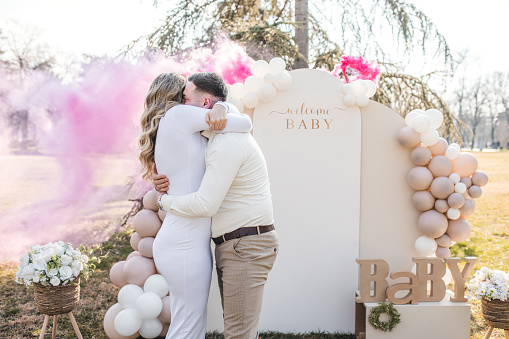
(459, 230)
(444, 241)
(442, 187)
(138, 269)
(135, 239)
(165, 315)
(439, 148)
(109, 319)
(161, 214)
(164, 332)
(145, 247)
(132, 254)
(117, 274)
(432, 224)
(419, 178)
(441, 205)
(421, 155)
(150, 201)
(423, 200)
(465, 165)
(146, 223)
(466, 181)
(468, 208)
(480, 178)
(409, 138)
(443, 252)
(456, 200)
(475, 191)
(440, 166)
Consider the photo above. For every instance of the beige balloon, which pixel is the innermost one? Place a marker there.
(466, 181)
(441, 205)
(439, 148)
(480, 178)
(161, 214)
(419, 178)
(442, 187)
(109, 320)
(456, 200)
(423, 200)
(150, 201)
(443, 252)
(145, 247)
(440, 166)
(409, 138)
(444, 241)
(165, 329)
(458, 230)
(165, 315)
(135, 240)
(146, 223)
(432, 224)
(420, 155)
(468, 208)
(138, 269)
(117, 274)
(475, 191)
(465, 164)
(133, 254)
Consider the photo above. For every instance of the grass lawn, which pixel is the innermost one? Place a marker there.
(489, 242)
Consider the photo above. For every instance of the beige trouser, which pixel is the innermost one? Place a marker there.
(242, 269)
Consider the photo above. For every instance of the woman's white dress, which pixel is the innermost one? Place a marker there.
(181, 250)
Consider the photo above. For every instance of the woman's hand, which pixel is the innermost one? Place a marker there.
(216, 118)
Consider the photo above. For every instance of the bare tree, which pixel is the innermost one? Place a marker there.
(302, 33)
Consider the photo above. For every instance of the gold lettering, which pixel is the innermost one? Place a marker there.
(289, 124)
(302, 124)
(315, 124)
(328, 123)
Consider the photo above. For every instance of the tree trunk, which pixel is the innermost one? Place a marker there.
(302, 32)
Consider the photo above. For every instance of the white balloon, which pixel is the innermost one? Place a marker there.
(237, 90)
(430, 137)
(267, 93)
(282, 80)
(436, 117)
(362, 100)
(350, 100)
(252, 83)
(127, 322)
(359, 87)
(452, 153)
(259, 68)
(425, 246)
(409, 118)
(347, 88)
(447, 278)
(157, 284)
(277, 65)
(455, 145)
(238, 103)
(150, 328)
(460, 188)
(128, 295)
(453, 213)
(455, 177)
(149, 305)
(268, 78)
(250, 99)
(421, 124)
(371, 88)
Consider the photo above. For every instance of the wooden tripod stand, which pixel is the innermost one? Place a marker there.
(54, 333)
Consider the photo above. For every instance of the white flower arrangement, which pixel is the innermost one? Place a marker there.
(490, 284)
(52, 264)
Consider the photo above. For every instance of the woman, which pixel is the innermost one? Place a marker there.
(171, 138)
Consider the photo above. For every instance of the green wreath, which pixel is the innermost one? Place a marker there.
(374, 317)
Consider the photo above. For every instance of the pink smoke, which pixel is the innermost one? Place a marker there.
(91, 120)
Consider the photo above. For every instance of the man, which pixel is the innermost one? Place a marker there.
(235, 192)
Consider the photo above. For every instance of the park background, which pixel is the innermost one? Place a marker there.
(73, 77)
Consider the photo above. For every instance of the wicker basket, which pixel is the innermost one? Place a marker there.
(53, 300)
(496, 313)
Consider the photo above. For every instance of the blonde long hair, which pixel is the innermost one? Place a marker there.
(165, 92)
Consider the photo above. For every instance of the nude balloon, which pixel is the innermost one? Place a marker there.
(442, 187)
(456, 200)
(150, 200)
(432, 224)
(132, 254)
(135, 240)
(439, 148)
(164, 332)
(444, 241)
(440, 166)
(161, 214)
(421, 156)
(108, 323)
(423, 200)
(145, 247)
(117, 274)
(146, 223)
(465, 165)
(443, 252)
(419, 178)
(466, 181)
(468, 208)
(165, 315)
(138, 269)
(409, 138)
(441, 205)
(474, 191)
(480, 178)
(459, 230)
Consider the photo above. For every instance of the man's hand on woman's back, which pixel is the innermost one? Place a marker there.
(160, 181)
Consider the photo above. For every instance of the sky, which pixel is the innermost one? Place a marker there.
(100, 27)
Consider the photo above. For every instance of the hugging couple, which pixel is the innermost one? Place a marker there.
(213, 182)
